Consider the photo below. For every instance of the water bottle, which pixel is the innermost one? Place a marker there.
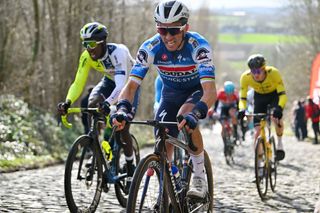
(107, 149)
(177, 177)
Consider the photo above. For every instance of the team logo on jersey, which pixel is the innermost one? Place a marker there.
(153, 43)
(202, 54)
(142, 56)
(164, 57)
(193, 42)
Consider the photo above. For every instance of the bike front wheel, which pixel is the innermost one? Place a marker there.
(261, 170)
(83, 176)
(273, 165)
(146, 188)
(208, 202)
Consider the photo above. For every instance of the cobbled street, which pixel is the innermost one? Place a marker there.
(297, 188)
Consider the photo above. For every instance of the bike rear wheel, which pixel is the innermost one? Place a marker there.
(120, 187)
(228, 150)
(273, 165)
(261, 170)
(83, 176)
(145, 190)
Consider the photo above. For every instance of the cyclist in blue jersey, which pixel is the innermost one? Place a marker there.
(185, 64)
(157, 93)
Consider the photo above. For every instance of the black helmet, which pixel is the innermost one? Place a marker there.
(94, 31)
(256, 61)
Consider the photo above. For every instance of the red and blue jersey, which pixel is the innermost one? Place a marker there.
(183, 69)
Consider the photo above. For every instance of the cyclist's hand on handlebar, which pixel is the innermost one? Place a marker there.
(119, 119)
(63, 107)
(190, 121)
(241, 114)
(211, 112)
(277, 113)
(104, 107)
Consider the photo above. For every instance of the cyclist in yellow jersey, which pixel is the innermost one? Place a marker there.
(113, 61)
(268, 89)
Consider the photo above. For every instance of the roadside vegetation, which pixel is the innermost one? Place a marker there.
(30, 137)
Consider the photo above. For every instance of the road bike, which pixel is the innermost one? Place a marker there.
(265, 156)
(88, 172)
(228, 138)
(154, 187)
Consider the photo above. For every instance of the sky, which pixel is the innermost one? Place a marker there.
(218, 4)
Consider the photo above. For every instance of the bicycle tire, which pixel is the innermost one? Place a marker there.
(141, 180)
(119, 187)
(78, 200)
(209, 180)
(273, 165)
(261, 181)
(228, 148)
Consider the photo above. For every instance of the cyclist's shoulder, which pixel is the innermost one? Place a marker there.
(272, 70)
(85, 59)
(196, 40)
(152, 44)
(220, 93)
(246, 75)
(116, 48)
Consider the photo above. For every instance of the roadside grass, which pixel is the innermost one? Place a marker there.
(256, 38)
(28, 162)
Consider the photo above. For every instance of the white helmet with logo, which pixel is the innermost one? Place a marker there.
(170, 11)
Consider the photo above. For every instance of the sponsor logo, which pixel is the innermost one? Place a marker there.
(193, 42)
(202, 54)
(164, 57)
(142, 56)
(152, 44)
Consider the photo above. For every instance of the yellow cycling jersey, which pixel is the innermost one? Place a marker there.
(114, 65)
(272, 82)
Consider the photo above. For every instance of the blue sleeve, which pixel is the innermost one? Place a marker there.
(157, 89)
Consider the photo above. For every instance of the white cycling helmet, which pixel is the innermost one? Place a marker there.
(169, 11)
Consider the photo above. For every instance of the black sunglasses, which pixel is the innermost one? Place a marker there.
(256, 71)
(174, 30)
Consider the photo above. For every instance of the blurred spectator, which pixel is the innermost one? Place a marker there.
(84, 116)
(313, 113)
(299, 120)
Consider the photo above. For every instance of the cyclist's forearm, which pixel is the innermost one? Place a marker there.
(209, 93)
(129, 91)
(282, 100)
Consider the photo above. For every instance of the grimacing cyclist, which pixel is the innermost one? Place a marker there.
(184, 62)
(113, 61)
(269, 89)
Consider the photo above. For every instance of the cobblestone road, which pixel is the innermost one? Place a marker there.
(297, 187)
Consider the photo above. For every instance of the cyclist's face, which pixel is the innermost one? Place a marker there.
(96, 53)
(172, 35)
(259, 75)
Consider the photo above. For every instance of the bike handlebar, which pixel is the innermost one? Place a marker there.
(64, 118)
(158, 124)
(262, 115)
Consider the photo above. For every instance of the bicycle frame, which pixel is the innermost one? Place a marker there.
(166, 178)
(109, 167)
(264, 148)
(265, 123)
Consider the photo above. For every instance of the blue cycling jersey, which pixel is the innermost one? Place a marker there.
(183, 69)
